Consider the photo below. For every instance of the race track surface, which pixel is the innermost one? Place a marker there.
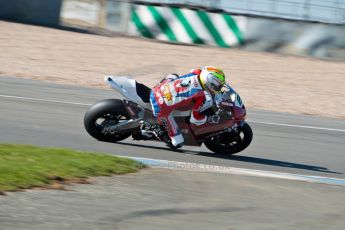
(46, 114)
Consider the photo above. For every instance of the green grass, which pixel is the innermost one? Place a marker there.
(26, 166)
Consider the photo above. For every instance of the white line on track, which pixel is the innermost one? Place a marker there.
(297, 126)
(252, 121)
(45, 100)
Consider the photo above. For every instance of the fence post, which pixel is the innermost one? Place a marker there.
(102, 15)
(306, 6)
(125, 17)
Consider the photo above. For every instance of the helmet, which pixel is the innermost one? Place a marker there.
(212, 79)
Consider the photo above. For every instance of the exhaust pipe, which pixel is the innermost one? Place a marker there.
(126, 125)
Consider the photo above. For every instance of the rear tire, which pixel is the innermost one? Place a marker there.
(231, 143)
(103, 113)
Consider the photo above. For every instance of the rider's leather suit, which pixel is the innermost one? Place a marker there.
(180, 93)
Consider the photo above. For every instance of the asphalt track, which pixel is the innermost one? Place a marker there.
(46, 114)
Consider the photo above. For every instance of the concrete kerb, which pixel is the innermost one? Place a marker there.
(186, 166)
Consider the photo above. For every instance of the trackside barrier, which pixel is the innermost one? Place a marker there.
(182, 25)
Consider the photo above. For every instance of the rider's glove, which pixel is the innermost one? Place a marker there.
(218, 99)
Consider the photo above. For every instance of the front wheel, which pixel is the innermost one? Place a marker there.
(231, 143)
(103, 115)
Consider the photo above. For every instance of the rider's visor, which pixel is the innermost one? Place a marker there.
(216, 87)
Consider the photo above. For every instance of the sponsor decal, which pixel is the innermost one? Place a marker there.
(167, 93)
(195, 82)
(227, 103)
(159, 97)
(226, 130)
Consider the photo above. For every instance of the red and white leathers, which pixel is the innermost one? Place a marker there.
(179, 93)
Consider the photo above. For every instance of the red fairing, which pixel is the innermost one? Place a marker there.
(208, 128)
(239, 113)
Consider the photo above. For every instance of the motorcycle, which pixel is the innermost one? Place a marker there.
(113, 120)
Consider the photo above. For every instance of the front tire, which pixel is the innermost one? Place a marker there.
(106, 113)
(231, 143)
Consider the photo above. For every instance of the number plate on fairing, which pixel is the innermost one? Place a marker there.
(213, 119)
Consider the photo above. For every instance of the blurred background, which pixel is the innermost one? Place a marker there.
(329, 11)
(301, 27)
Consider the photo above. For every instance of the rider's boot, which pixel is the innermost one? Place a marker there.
(177, 141)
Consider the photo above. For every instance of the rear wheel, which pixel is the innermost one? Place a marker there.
(231, 143)
(104, 114)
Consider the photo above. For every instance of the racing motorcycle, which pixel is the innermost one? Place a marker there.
(113, 120)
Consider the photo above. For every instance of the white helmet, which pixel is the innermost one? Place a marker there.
(212, 79)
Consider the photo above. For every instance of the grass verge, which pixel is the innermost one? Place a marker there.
(27, 166)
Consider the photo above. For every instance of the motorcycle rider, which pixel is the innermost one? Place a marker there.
(196, 90)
